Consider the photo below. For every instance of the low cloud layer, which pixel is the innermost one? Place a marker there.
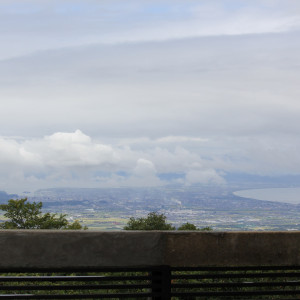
(74, 159)
(69, 159)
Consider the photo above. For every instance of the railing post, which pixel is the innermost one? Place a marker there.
(161, 283)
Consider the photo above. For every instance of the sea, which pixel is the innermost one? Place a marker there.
(284, 195)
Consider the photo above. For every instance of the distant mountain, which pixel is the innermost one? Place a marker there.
(4, 197)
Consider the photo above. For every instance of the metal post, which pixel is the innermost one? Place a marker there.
(161, 283)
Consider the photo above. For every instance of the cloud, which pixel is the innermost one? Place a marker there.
(207, 87)
(144, 174)
(75, 159)
(162, 91)
(144, 167)
(76, 149)
(69, 23)
(209, 176)
(179, 139)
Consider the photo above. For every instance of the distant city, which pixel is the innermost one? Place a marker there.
(214, 206)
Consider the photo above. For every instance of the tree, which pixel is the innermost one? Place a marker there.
(153, 221)
(189, 226)
(26, 215)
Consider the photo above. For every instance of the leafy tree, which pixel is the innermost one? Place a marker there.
(26, 215)
(75, 226)
(207, 228)
(153, 221)
(189, 226)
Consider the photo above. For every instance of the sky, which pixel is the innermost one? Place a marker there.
(111, 93)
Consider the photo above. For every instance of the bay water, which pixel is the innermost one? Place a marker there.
(285, 195)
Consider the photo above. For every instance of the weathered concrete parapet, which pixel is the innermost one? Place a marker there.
(85, 249)
(233, 249)
(67, 249)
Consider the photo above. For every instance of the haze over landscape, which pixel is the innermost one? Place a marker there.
(140, 93)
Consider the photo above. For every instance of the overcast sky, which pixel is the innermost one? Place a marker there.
(143, 93)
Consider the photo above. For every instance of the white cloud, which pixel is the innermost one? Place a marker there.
(69, 23)
(77, 149)
(62, 139)
(144, 167)
(179, 139)
(209, 176)
(72, 159)
(195, 88)
(76, 159)
(199, 87)
(144, 174)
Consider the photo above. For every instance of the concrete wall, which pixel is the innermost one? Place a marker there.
(57, 249)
